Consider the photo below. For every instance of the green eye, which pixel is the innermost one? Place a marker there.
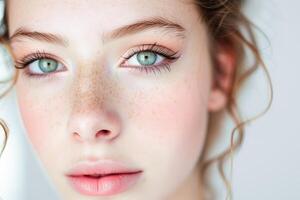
(146, 58)
(47, 65)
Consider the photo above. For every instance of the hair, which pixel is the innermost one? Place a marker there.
(227, 25)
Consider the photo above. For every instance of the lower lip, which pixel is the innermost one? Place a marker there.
(104, 186)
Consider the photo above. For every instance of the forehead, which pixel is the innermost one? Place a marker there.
(105, 15)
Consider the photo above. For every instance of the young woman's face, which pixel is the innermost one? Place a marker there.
(114, 87)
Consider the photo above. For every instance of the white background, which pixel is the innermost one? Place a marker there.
(268, 165)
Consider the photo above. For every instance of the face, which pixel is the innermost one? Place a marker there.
(115, 95)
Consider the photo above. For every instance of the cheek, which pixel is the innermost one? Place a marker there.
(170, 126)
(40, 119)
(173, 120)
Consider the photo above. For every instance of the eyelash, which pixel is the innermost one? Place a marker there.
(168, 55)
(24, 62)
(157, 49)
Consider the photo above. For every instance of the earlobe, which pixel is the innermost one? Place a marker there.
(217, 100)
(223, 78)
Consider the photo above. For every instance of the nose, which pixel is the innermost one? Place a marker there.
(94, 126)
(92, 115)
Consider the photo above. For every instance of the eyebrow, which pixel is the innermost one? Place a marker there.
(139, 26)
(23, 32)
(157, 22)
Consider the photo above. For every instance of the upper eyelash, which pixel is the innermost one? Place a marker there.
(155, 49)
(22, 63)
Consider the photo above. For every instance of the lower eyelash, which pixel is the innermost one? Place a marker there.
(155, 68)
(39, 76)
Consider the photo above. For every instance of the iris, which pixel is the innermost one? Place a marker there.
(146, 58)
(47, 65)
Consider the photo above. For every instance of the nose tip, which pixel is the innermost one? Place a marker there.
(94, 126)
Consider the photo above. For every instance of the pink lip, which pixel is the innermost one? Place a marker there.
(102, 178)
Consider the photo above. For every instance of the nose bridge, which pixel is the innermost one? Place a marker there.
(88, 91)
(90, 116)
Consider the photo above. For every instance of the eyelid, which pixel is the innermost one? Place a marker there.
(154, 47)
(168, 55)
(28, 59)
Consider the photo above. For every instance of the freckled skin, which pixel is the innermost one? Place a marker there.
(157, 122)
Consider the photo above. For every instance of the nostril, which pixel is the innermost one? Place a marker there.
(77, 136)
(102, 133)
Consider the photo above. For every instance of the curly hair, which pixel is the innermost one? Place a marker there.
(229, 26)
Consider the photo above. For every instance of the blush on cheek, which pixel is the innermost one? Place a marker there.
(186, 118)
(35, 122)
(175, 119)
(172, 126)
(40, 121)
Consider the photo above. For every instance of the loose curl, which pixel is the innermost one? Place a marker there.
(226, 25)
(11, 81)
(226, 22)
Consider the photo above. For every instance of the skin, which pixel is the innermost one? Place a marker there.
(156, 122)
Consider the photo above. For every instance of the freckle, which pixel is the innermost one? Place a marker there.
(93, 88)
(134, 101)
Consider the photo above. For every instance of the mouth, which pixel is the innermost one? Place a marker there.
(102, 178)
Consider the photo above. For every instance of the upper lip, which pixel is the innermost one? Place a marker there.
(101, 167)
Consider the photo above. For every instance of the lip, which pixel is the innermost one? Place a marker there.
(103, 177)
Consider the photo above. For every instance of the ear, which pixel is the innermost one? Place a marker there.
(223, 77)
